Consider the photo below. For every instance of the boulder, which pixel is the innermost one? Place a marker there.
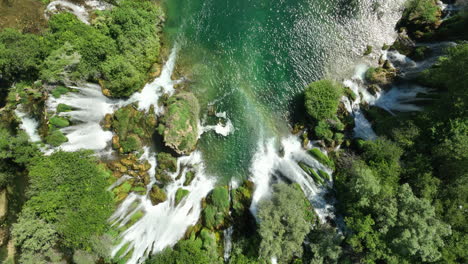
(181, 123)
(157, 195)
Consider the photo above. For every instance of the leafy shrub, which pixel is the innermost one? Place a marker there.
(323, 131)
(322, 99)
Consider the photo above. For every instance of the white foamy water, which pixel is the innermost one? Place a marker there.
(223, 129)
(228, 242)
(152, 92)
(29, 125)
(89, 108)
(163, 224)
(80, 11)
(268, 164)
(409, 68)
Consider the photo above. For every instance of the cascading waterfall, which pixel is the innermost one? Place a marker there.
(400, 97)
(28, 124)
(163, 224)
(89, 106)
(271, 162)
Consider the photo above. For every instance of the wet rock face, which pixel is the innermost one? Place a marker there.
(180, 129)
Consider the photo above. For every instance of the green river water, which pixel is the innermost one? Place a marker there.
(252, 59)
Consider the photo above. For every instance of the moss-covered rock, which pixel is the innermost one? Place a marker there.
(189, 176)
(420, 17)
(181, 123)
(59, 121)
(63, 108)
(403, 44)
(180, 194)
(322, 158)
(157, 195)
(380, 76)
(132, 128)
(56, 138)
(166, 164)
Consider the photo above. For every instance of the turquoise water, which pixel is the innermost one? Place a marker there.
(252, 59)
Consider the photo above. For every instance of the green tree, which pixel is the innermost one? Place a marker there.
(322, 99)
(21, 55)
(68, 190)
(325, 245)
(283, 223)
(418, 233)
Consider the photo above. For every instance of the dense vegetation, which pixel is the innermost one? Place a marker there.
(119, 47)
(68, 204)
(402, 197)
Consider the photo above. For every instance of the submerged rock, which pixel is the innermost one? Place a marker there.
(181, 123)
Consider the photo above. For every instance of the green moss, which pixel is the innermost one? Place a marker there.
(350, 94)
(56, 138)
(368, 50)
(323, 131)
(180, 194)
(316, 177)
(63, 108)
(59, 91)
(322, 158)
(189, 176)
(132, 127)
(181, 123)
(324, 175)
(157, 195)
(59, 121)
(132, 143)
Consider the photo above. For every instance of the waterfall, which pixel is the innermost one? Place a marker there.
(28, 124)
(163, 224)
(89, 107)
(151, 93)
(80, 11)
(268, 164)
(228, 242)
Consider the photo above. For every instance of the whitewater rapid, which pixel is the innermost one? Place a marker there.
(272, 161)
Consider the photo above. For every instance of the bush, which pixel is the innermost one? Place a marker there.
(323, 131)
(421, 12)
(322, 99)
